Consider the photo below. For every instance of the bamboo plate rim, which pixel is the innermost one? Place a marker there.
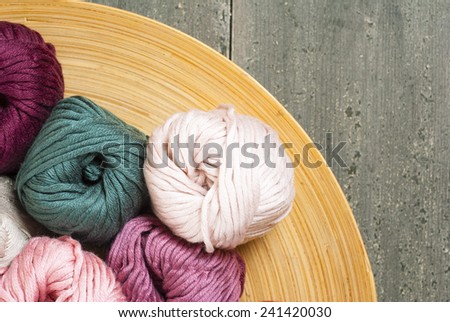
(145, 71)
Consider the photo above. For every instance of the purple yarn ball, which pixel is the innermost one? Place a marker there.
(153, 265)
(31, 84)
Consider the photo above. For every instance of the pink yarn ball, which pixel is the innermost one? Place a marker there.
(58, 270)
(154, 266)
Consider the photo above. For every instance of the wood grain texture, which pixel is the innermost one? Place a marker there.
(375, 74)
(206, 20)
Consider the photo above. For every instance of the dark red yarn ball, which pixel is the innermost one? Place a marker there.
(31, 83)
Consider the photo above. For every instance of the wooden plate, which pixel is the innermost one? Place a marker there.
(144, 71)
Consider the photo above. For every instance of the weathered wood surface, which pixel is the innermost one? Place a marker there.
(208, 21)
(374, 74)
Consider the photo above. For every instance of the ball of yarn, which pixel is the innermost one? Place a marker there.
(153, 265)
(16, 226)
(83, 174)
(31, 84)
(213, 177)
(58, 270)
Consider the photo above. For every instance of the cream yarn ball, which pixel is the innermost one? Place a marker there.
(16, 226)
(218, 177)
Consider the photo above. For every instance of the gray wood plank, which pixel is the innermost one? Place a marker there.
(375, 74)
(208, 21)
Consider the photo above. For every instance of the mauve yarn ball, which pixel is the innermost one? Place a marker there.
(218, 177)
(83, 174)
(31, 84)
(153, 265)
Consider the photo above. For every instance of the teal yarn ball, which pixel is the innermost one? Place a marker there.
(83, 174)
